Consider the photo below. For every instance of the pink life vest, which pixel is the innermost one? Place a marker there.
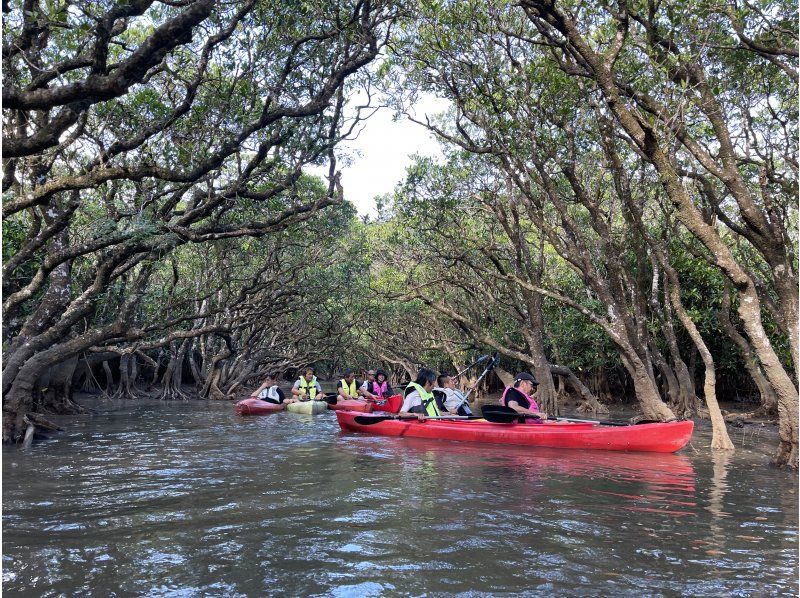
(533, 406)
(380, 389)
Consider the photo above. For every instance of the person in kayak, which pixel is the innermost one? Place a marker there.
(271, 392)
(347, 387)
(376, 386)
(419, 399)
(520, 396)
(307, 388)
(454, 400)
(365, 391)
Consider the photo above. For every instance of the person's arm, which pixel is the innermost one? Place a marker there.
(364, 392)
(452, 400)
(296, 390)
(258, 390)
(320, 395)
(412, 400)
(520, 409)
(341, 392)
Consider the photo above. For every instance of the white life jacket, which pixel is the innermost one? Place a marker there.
(270, 393)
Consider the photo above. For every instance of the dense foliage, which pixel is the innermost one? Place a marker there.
(616, 209)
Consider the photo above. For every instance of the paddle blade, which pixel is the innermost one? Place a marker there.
(499, 414)
(370, 420)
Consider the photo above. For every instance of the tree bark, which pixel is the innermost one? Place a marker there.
(769, 402)
(647, 141)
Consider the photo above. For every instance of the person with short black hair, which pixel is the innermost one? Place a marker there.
(453, 400)
(347, 387)
(270, 392)
(519, 397)
(367, 389)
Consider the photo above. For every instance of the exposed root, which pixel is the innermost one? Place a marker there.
(759, 414)
(786, 457)
(592, 408)
(173, 393)
(35, 419)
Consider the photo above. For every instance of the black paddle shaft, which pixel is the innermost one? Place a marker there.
(489, 367)
(500, 414)
(472, 365)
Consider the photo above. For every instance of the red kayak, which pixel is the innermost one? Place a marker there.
(656, 437)
(351, 405)
(255, 406)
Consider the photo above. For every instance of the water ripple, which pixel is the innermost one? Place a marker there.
(188, 499)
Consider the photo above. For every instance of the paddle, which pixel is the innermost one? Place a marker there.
(491, 365)
(369, 420)
(472, 365)
(500, 414)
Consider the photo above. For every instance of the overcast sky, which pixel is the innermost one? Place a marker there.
(380, 154)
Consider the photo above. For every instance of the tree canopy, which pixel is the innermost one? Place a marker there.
(616, 210)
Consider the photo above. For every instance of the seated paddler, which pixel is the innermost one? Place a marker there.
(376, 387)
(347, 387)
(307, 388)
(453, 400)
(270, 392)
(419, 397)
(519, 397)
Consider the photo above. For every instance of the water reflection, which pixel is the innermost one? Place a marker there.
(181, 500)
(663, 483)
(721, 460)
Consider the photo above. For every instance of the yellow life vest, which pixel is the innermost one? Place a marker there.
(351, 388)
(428, 400)
(309, 387)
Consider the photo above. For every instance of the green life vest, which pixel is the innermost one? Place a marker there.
(309, 387)
(428, 400)
(350, 388)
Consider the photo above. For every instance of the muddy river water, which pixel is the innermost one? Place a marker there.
(188, 499)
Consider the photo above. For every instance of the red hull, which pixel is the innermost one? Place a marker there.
(351, 405)
(658, 438)
(254, 406)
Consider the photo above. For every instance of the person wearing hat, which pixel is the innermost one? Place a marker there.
(520, 396)
(376, 386)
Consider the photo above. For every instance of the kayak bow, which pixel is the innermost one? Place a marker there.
(255, 406)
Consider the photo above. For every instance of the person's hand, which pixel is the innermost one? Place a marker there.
(420, 417)
(542, 416)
